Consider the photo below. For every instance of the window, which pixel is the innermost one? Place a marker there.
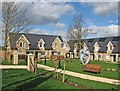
(111, 47)
(40, 44)
(52, 53)
(59, 53)
(24, 44)
(107, 56)
(21, 44)
(19, 52)
(99, 56)
(65, 45)
(62, 45)
(55, 45)
(96, 49)
(42, 53)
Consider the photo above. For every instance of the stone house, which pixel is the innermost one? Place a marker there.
(39, 45)
(102, 49)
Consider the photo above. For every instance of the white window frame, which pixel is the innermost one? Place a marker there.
(41, 41)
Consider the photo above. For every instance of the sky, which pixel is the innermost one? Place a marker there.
(54, 18)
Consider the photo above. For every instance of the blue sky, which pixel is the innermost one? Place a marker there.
(54, 18)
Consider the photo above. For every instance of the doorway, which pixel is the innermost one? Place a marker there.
(93, 56)
(36, 54)
(114, 58)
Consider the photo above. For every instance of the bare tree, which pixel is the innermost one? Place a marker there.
(13, 20)
(77, 31)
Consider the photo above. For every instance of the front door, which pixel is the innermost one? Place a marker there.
(36, 54)
(114, 58)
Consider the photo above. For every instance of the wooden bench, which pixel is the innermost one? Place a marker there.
(92, 68)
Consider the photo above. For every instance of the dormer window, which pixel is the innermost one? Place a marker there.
(21, 44)
(110, 47)
(96, 47)
(24, 44)
(62, 45)
(41, 43)
(55, 45)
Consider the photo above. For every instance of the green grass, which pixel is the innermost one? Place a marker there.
(20, 62)
(25, 80)
(76, 66)
(83, 82)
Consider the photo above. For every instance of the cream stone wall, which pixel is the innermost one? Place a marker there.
(47, 53)
(57, 47)
(22, 50)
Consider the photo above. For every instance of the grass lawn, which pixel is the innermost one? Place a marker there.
(25, 80)
(20, 62)
(83, 82)
(76, 66)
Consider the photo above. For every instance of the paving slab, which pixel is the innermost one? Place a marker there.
(13, 67)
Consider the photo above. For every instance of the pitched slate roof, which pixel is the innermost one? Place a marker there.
(102, 43)
(71, 44)
(33, 39)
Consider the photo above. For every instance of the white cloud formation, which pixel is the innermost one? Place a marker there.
(104, 31)
(39, 31)
(111, 21)
(58, 25)
(105, 8)
(46, 13)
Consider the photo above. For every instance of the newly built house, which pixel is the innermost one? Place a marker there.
(39, 45)
(102, 49)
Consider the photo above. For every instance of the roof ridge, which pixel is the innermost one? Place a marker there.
(37, 34)
(104, 37)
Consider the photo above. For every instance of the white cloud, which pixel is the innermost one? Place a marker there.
(104, 31)
(111, 21)
(58, 25)
(39, 31)
(46, 13)
(105, 8)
